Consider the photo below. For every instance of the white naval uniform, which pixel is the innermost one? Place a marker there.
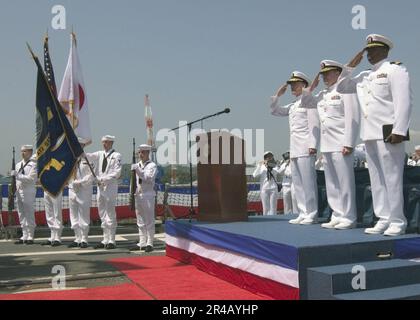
(304, 134)
(385, 98)
(288, 190)
(54, 215)
(268, 189)
(413, 163)
(25, 193)
(145, 202)
(339, 118)
(80, 201)
(108, 191)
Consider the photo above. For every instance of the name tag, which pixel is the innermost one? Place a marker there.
(382, 76)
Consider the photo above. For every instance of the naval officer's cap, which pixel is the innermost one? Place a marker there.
(417, 148)
(27, 147)
(298, 76)
(328, 65)
(377, 40)
(108, 138)
(83, 140)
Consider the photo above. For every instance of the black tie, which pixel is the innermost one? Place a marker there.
(104, 164)
(22, 168)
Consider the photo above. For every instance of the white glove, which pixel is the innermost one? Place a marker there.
(13, 173)
(134, 167)
(76, 184)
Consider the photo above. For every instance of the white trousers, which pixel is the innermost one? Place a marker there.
(26, 212)
(145, 212)
(106, 206)
(269, 199)
(80, 201)
(340, 185)
(54, 215)
(289, 199)
(306, 188)
(386, 169)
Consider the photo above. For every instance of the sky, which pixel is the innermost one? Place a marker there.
(193, 57)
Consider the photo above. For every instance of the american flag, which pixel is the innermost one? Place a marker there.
(49, 71)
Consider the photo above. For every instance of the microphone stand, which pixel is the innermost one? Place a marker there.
(191, 212)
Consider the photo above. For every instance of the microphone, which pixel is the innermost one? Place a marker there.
(227, 110)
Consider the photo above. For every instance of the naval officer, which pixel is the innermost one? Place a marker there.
(108, 164)
(385, 99)
(266, 171)
(26, 177)
(80, 200)
(304, 137)
(146, 171)
(339, 118)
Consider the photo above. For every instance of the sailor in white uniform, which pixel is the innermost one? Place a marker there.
(80, 200)
(26, 178)
(146, 171)
(108, 164)
(54, 216)
(288, 190)
(339, 117)
(414, 161)
(267, 171)
(385, 98)
(304, 139)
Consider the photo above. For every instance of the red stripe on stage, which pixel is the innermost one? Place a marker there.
(242, 279)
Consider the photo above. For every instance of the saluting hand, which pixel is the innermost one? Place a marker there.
(282, 90)
(315, 83)
(356, 60)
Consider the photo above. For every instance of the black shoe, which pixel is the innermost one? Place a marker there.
(149, 249)
(20, 242)
(111, 246)
(83, 245)
(73, 245)
(46, 243)
(29, 242)
(135, 248)
(100, 246)
(56, 244)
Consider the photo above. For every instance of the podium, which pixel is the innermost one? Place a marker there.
(222, 184)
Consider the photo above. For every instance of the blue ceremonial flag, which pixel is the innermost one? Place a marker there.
(58, 148)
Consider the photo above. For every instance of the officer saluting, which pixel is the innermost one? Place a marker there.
(146, 171)
(108, 172)
(339, 117)
(385, 99)
(304, 136)
(26, 177)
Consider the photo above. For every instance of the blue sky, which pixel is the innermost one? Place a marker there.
(193, 57)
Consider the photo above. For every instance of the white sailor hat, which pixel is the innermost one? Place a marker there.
(298, 76)
(417, 148)
(108, 138)
(328, 65)
(267, 153)
(377, 40)
(26, 147)
(145, 147)
(83, 141)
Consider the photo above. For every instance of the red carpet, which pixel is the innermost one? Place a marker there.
(168, 279)
(120, 292)
(160, 278)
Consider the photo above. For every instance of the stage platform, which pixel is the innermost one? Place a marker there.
(269, 256)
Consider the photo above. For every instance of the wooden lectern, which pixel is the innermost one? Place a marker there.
(222, 184)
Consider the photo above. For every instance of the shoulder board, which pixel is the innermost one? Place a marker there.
(398, 63)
